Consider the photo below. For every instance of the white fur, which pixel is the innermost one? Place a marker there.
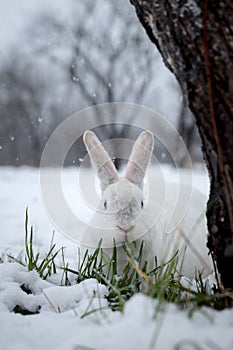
(124, 215)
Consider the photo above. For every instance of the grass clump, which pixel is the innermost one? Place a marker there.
(162, 282)
(44, 266)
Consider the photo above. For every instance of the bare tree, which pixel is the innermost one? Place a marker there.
(95, 54)
(188, 130)
(99, 63)
(195, 40)
(90, 56)
(21, 107)
(81, 61)
(27, 114)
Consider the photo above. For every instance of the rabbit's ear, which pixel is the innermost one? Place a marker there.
(140, 158)
(101, 161)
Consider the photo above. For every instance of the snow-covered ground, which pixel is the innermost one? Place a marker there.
(59, 323)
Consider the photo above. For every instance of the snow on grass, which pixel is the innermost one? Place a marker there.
(41, 314)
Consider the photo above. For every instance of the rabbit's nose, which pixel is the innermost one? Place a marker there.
(125, 229)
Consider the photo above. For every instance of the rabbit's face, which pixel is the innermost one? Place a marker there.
(123, 200)
(122, 197)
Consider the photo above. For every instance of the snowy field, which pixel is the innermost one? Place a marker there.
(59, 323)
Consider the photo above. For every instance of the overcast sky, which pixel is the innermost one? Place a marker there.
(15, 15)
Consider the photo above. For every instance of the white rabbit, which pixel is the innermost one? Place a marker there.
(123, 213)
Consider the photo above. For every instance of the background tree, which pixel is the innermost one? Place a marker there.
(68, 60)
(28, 114)
(98, 65)
(195, 40)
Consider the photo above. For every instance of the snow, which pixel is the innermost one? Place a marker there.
(64, 319)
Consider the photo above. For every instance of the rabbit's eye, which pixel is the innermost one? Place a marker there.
(142, 204)
(105, 204)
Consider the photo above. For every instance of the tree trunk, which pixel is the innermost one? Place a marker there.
(195, 40)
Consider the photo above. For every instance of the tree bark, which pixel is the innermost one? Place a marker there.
(195, 40)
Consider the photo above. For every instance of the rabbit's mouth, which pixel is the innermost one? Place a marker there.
(125, 230)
